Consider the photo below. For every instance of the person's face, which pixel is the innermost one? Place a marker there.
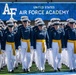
(61, 26)
(15, 24)
(40, 27)
(0, 27)
(10, 29)
(74, 26)
(71, 25)
(25, 23)
(29, 23)
(56, 27)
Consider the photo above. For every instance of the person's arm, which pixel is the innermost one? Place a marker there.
(47, 40)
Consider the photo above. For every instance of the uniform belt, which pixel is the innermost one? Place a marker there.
(59, 43)
(28, 43)
(0, 52)
(73, 41)
(13, 46)
(43, 45)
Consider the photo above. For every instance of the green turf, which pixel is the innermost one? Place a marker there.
(33, 69)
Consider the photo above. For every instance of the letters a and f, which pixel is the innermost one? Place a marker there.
(9, 11)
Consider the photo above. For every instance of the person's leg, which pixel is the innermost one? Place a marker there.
(16, 61)
(54, 48)
(39, 50)
(74, 61)
(28, 57)
(70, 54)
(59, 59)
(23, 57)
(9, 60)
(43, 60)
(0, 61)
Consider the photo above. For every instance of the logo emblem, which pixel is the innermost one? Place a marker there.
(9, 11)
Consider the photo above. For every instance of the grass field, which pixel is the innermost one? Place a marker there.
(33, 69)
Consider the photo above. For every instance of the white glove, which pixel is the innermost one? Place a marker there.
(31, 47)
(64, 48)
(50, 48)
(3, 51)
(34, 49)
(19, 47)
(14, 58)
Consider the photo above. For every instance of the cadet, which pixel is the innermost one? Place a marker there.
(49, 53)
(61, 29)
(35, 29)
(2, 44)
(41, 39)
(66, 30)
(1, 50)
(9, 38)
(56, 46)
(71, 44)
(26, 36)
(17, 44)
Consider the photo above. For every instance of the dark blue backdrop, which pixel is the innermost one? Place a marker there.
(46, 11)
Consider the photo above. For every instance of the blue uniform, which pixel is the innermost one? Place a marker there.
(49, 30)
(57, 38)
(56, 35)
(66, 30)
(35, 28)
(70, 34)
(26, 33)
(9, 36)
(1, 40)
(9, 40)
(63, 38)
(41, 35)
(17, 41)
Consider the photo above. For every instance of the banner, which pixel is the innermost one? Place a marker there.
(45, 10)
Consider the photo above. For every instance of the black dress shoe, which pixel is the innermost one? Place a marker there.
(24, 70)
(71, 71)
(74, 70)
(58, 69)
(16, 67)
(0, 69)
(28, 70)
(11, 71)
(55, 70)
(19, 64)
(42, 70)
